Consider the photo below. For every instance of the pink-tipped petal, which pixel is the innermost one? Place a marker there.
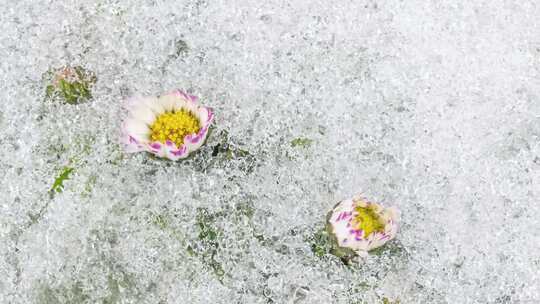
(130, 144)
(156, 148)
(172, 152)
(195, 141)
(179, 153)
(136, 129)
(203, 115)
(206, 116)
(186, 96)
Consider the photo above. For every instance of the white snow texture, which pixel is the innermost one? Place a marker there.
(429, 106)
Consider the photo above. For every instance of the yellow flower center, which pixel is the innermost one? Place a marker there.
(174, 126)
(368, 220)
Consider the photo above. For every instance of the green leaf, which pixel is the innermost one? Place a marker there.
(161, 221)
(58, 185)
(321, 243)
(207, 232)
(385, 300)
(190, 251)
(68, 91)
(217, 268)
(49, 91)
(301, 142)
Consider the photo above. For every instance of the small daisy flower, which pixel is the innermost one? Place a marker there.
(170, 126)
(72, 85)
(360, 225)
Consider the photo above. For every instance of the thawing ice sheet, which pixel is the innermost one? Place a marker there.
(433, 108)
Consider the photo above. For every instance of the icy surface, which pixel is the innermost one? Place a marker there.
(433, 108)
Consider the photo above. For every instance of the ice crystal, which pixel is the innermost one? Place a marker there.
(429, 106)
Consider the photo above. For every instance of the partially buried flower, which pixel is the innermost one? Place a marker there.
(358, 225)
(72, 85)
(170, 126)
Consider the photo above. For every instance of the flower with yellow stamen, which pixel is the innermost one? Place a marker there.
(171, 126)
(360, 225)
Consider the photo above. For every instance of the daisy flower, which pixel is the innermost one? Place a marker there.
(360, 225)
(170, 126)
(72, 85)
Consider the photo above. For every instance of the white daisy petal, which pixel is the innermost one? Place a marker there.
(204, 115)
(136, 128)
(153, 104)
(144, 114)
(179, 103)
(393, 212)
(168, 102)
